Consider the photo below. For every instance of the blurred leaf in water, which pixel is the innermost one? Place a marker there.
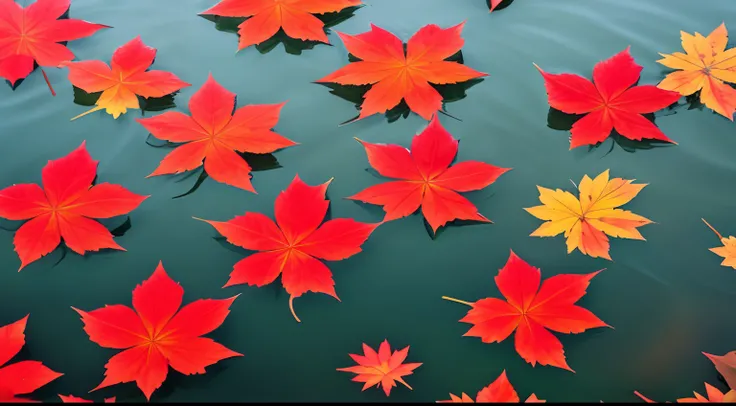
(292, 46)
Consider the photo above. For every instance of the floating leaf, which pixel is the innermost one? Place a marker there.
(382, 368)
(125, 81)
(64, 207)
(728, 251)
(427, 179)
(294, 247)
(705, 66)
(532, 312)
(157, 334)
(611, 101)
(215, 135)
(586, 222)
(267, 17)
(37, 39)
(397, 75)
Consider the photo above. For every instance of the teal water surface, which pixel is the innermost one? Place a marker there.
(667, 298)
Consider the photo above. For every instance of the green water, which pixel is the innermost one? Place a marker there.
(667, 298)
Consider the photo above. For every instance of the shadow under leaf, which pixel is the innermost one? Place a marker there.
(557, 120)
(292, 46)
(356, 94)
(83, 98)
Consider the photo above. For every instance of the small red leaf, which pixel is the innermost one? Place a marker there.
(382, 368)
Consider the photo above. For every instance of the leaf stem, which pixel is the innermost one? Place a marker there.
(96, 108)
(720, 237)
(452, 299)
(291, 307)
(53, 93)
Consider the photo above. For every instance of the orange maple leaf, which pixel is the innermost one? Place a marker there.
(705, 66)
(124, 80)
(587, 220)
(267, 17)
(728, 251)
(500, 391)
(381, 368)
(397, 75)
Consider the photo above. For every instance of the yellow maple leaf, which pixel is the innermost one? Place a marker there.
(705, 66)
(728, 251)
(586, 221)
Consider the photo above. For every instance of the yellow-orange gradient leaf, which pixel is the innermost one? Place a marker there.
(705, 66)
(728, 251)
(586, 221)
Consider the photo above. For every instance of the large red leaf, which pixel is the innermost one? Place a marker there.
(532, 311)
(127, 79)
(396, 75)
(22, 377)
(611, 101)
(157, 334)
(267, 17)
(427, 179)
(63, 209)
(214, 134)
(293, 246)
(383, 368)
(33, 34)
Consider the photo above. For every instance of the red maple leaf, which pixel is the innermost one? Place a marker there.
(74, 399)
(64, 207)
(157, 334)
(495, 3)
(382, 368)
(611, 101)
(532, 311)
(32, 35)
(293, 248)
(125, 80)
(267, 17)
(22, 377)
(500, 391)
(397, 75)
(427, 179)
(214, 133)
